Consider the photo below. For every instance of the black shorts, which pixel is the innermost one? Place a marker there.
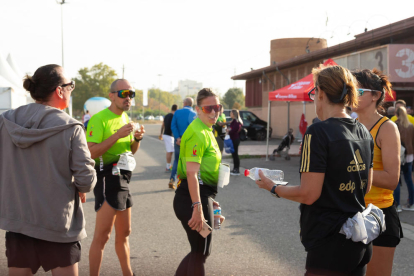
(113, 189)
(26, 252)
(339, 256)
(393, 233)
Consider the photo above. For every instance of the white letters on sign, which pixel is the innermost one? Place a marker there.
(409, 63)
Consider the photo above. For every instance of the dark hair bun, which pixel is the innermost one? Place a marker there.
(29, 84)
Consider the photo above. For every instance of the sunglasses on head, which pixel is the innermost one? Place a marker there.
(209, 108)
(71, 84)
(362, 90)
(125, 93)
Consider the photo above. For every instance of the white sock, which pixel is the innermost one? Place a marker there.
(168, 166)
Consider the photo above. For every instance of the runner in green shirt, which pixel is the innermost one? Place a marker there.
(198, 170)
(110, 134)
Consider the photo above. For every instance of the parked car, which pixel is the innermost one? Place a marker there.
(149, 117)
(159, 118)
(253, 127)
(139, 117)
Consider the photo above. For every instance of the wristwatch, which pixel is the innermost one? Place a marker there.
(137, 140)
(273, 191)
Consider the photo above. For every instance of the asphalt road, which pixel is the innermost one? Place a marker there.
(259, 237)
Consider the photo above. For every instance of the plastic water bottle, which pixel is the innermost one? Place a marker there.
(274, 175)
(217, 215)
(115, 170)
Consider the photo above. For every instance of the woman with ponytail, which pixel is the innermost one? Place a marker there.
(336, 173)
(407, 140)
(372, 86)
(234, 130)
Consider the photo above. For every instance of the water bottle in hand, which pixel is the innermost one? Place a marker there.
(217, 216)
(274, 175)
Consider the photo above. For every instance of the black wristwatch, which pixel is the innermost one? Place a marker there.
(137, 140)
(273, 191)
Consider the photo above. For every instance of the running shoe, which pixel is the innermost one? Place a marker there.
(235, 172)
(408, 207)
(171, 184)
(399, 209)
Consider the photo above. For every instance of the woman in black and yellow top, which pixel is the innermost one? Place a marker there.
(198, 170)
(336, 170)
(371, 89)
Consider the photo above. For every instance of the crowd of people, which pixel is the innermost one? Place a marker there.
(348, 165)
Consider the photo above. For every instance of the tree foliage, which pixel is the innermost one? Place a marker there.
(96, 82)
(233, 98)
(92, 82)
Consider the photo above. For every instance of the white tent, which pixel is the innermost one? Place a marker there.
(14, 66)
(8, 73)
(10, 97)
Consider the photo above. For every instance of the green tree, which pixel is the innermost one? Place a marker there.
(92, 82)
(233, 98)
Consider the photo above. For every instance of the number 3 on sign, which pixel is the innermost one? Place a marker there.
(408, 62)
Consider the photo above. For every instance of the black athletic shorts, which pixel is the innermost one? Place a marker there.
(26, 252)
(339, 256)
(114, 189)
(393, 233)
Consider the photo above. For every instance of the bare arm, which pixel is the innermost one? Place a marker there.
(196, 221)
(308, 192)
(98, 149)
(162, 128)
(389, 142)
(370, 176)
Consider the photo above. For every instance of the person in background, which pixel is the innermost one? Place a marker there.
(181, 120)
(86, 119)
(398, 104)
(409, 110)
(219, 129)
(234, 130)
(391, 112)
(287, 140)
(372, 86)
(407, 141)
(45, 171)
(167, 136)
(330, 190)
(198, 170)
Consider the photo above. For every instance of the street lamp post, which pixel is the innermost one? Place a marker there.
(61, 2)
(159, 97)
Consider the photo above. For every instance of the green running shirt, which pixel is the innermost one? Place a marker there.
(199, 145)
(104, 124)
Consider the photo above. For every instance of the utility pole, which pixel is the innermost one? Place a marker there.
(234, 82)
(123, 70)
(61, 2)
(159, 98)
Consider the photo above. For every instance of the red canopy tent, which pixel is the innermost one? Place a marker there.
(298, 92)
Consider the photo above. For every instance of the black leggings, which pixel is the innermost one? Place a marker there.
(235, 154)
(193, 263)
(339, 257)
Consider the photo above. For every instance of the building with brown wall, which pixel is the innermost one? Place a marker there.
(389, 48)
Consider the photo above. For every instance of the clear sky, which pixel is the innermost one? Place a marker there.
(205, 41)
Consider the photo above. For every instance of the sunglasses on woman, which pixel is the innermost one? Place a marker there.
(125, 93)
(71, 84)
(208, 108)
(311, 94)
(362, 90)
